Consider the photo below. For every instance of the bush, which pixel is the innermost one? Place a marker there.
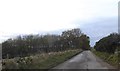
(9, 64)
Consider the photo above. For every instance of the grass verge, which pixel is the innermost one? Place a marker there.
(109, 58)
(40, 61)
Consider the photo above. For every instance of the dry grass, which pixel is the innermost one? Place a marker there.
(40, 61)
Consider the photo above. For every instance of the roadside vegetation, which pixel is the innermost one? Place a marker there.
(108, 49)
(39, 61)
(43, 51)
(109, 58)
(27, 45)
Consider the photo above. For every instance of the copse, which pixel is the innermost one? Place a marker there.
(70, 38)
(33, 44)
(108, 44)
(74, 39)
(84, 42)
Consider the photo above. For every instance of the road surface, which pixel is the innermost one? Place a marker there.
(84, 60)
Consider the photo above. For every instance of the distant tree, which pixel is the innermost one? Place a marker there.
(69, 38)
(85, 42)
(75, 39)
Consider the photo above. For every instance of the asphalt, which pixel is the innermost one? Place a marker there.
(84, 60)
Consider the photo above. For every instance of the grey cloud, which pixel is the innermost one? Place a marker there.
(100, 28)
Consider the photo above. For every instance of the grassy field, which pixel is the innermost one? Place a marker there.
(109, 58)
(39, 61)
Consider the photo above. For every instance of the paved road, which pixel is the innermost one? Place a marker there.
(84, 60)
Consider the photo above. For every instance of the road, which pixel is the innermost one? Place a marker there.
(84, 60)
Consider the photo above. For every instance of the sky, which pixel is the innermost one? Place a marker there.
(96, 18)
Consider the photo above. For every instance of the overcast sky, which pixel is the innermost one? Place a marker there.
(96, 18)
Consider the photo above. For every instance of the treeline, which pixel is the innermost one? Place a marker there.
(109, 44)
(32, 44)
